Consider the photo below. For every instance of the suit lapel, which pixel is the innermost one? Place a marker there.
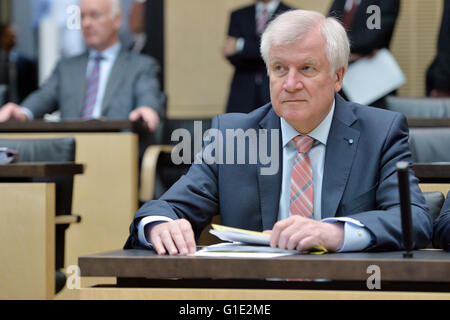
(116, 75)
(270, 185)
(341, 149)
(79, 77)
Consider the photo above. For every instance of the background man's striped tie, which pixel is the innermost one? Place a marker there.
(91, 89)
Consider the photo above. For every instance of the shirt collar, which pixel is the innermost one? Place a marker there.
(320, 133)
(271, 7)
(107, 54)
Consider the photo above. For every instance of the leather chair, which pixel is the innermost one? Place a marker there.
(435, 201)
(419, 107)
(52, 150)
(158, 172)
(430, 144)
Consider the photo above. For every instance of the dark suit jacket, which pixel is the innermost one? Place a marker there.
(362, 39)
(441, 234)
(245, 95)
(438, 74)
(132, 83)
(359, 179)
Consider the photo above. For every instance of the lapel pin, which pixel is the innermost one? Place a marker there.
(350, 141)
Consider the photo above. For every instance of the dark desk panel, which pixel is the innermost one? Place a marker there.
(73, 126)
(428, 122)
(40, 169)
(432, 172)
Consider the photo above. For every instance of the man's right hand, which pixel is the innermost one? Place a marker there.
(12, 111)
(173, 237)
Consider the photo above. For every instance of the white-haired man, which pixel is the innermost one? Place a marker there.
(337, 186)
(107, 81)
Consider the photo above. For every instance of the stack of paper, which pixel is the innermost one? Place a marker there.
(245, 243)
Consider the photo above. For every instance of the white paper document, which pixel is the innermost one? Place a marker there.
(370, 79)
(242, 250)
(245, 243)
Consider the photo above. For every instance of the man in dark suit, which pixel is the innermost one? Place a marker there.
(441, 232)
(365, 42)
(438, 73)
(331, 179)
(250, 85)
(353, 14)
(107, 81)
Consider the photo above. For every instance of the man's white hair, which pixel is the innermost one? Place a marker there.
(295, 24)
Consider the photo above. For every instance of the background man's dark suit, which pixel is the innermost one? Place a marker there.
(359, 179)
(438, 74)
(362, 39)
(245, 95)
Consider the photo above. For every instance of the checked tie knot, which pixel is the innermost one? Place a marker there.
(303, 143)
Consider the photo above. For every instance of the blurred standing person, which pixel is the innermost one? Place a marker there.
(250, 85)
(365, 42)
(438, 73)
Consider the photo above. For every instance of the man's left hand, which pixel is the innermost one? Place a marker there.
(302, 234)
(148, 115)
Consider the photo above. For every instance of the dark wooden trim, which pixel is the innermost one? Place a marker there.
(73, 126)
(432, 172)
(39, 169)
(428, 122)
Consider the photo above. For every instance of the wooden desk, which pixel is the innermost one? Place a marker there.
(106, 195)
(143, 274)
(27, 229)
(433, 176)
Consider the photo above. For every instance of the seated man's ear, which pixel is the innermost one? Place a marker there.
(339, 78)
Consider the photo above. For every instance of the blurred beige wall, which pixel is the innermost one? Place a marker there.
(198, 76)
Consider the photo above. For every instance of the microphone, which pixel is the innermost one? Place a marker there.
(405, 207)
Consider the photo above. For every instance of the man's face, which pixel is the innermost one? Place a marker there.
(301, 88)
(8, 38)
(100, 28)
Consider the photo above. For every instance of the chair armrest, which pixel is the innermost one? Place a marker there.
(148, 170)
(67, 219)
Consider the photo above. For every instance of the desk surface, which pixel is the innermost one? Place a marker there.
(40, 169)
(73, 126)
(425, 266)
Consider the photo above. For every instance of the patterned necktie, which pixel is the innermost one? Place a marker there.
(302, 188)
(263, 18)
(91, 89)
